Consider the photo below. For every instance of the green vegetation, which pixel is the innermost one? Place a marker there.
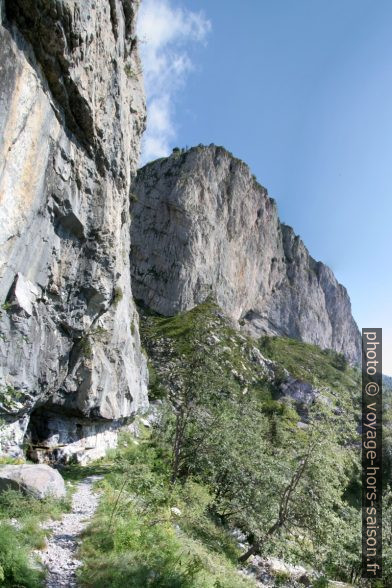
(323, 369)
(9, 396)
(287, 487)
(222, 352)
(86, 347)
(21, 533)
(310, 363)
(133, 328)
(4, 460)
(10, 391)
(85, 342)
(99, 333)
(130, 72)
(15, 567)
(117, 295)
(148, 532)
(228, 451)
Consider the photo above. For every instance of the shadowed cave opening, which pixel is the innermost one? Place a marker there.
(57, 438)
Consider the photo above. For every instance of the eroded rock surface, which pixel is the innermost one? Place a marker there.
(202, 225)
(71, 114)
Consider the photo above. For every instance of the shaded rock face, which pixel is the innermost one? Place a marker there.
(201, 225)
(71, 115)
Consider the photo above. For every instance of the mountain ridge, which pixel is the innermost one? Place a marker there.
(221, 235)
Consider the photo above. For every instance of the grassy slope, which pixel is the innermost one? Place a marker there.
(169, 344)
(170, 338)
(139, 538)
(136, 539)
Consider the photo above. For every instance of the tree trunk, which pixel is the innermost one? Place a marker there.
(257, 545)
(251, 551)
(177, 446)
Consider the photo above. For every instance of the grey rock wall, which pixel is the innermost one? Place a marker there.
(201, 225)
(72, 112)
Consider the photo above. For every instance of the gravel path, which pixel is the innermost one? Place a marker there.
(59, 555)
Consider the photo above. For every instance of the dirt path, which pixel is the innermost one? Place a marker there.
(59, 555)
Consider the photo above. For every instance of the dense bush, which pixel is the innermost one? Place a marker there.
(15, 563)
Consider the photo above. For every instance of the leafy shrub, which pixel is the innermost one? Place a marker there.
(338, 360)
(86, 347)
(321, 582)
(118, 295)
(15, 567)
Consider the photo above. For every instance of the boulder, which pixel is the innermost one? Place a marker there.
(300, 391)
(40, 480)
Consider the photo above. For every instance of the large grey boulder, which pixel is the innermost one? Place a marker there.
(41, 481)
(300, 391)
(72, 111)
(202, 224)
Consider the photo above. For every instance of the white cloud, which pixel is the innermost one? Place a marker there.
(165, 32)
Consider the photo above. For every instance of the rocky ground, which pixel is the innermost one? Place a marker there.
(60, 554)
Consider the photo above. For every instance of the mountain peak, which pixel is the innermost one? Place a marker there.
(202, 225)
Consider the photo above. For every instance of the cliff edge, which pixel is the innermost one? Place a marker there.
(71, 116)
(202, 225)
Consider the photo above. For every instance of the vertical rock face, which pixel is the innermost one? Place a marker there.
(71, 115)
(201, 224)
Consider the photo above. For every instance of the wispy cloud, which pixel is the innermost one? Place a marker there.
(165, 32)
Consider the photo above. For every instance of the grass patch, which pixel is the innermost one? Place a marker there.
(74, 473)
(177, 338)
(308, 362)
(15, 565)
(21, 533)
(6, 460)
(324, 369)
(149, 533)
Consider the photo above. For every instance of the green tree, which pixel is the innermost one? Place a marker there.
(306, 488)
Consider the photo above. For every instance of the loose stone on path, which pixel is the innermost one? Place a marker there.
(59, 556)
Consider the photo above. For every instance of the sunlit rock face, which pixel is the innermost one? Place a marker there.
(202, 225)
(71, 115)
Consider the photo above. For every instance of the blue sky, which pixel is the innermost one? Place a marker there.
(302, 91)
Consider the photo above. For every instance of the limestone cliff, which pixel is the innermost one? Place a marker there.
(201, 224)
(71, 114)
